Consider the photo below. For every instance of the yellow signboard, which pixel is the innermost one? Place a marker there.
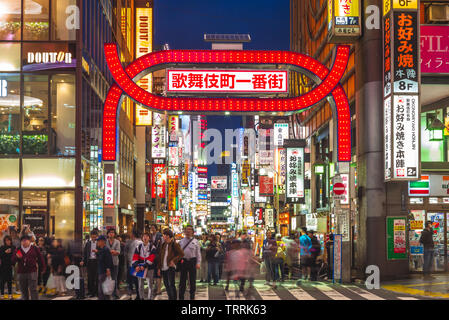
(405, 4)
(416, 225)
(144, 41)
(387, 6)
(347, 8)
(144, 117)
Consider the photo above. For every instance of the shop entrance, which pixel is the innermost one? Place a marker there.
(440, 220)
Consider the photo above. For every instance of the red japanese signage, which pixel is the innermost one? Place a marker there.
(266, 186)
(248, 81)
(125, 84)
(159, 178)
(435, 49)
(172, 194)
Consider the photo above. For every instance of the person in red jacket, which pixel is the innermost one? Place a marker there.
(29, 260)
(144, 263)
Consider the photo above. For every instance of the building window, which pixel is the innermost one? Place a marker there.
(9, 211)
(9, 173)
(59, 16)
(10, 57)
(10, 19)
(35, 115)
(62, 214)
(36, 20)
(48, 173)
(63, 115)
(9, 114)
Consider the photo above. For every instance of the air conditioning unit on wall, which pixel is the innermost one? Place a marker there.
(438, 13)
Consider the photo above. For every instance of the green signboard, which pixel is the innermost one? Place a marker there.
(396, 238)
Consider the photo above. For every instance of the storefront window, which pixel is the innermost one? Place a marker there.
(9, 211)
(62, 213)
(63, 114)
(9, 113)
(59, 16)
(10, 57)
(431, 151)
(48, 173)
(9, 173)
(36, 20)
(48, 56)
(35, 213)
(10, 19)
(35, 115)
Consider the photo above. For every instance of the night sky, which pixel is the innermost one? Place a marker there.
(182, 23)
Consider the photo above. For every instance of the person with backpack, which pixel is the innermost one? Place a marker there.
(144, 259)
(29, 260)
(315, 251)
(279, 260)
(305, 258)
(426, 240)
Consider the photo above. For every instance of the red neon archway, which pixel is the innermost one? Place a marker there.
(125, 84)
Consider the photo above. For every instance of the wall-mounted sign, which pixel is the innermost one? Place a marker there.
(3, 88)
(295, 173)
(280, 133)
(434, 49)
(344, 21)
(420, 188)
(269, 218)
(144, 42)
(172, 194)
(235, 184)
(144, 117)
(49, 57)
(396, 239)
(173, 156)
(173, 127)
(266, 186)
(266, 157)
(158, 137)
(158, 178)
(219, 183)
(281, 166)
(259, 216)
(243, 81)
(109, 189)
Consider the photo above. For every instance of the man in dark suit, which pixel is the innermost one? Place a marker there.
(90, 261)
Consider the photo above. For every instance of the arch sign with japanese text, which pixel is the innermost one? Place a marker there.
(223, 73)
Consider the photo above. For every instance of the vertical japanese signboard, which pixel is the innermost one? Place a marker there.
(158, 180)
(280, 133)
(109, 189)
(401, 90)
(173, 127)
(266, 188)
(281, 167)
(144, 41)
(344, 21)
(295, 173)
(172, 194)
(269, 218)
(158, 136)
(396, 238)
(144, 117)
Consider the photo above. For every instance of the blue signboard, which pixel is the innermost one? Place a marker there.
(417, 250)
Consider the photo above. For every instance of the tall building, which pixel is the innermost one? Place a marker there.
(55, 80)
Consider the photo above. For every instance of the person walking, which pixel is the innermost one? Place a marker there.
(190, 263)
(90, 261)
(57, 266)
(144, 260)
(329, 248)
(292, 256)
(279, 260)
(203, 269)
(130, 248)
(43, 278)
(6, 253)
(121, 259)
(213, 252)
(157, 240)
(105, 265)
(114, 247)
(305, 258)
(315, 252)
(29, 261)
(171, 253)
(269, 249)
(426, 240)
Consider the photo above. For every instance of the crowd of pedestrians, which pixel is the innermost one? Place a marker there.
(37, 264)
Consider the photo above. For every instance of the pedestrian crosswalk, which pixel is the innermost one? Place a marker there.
(288, 290)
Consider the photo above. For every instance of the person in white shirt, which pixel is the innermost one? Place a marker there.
(90, 261)
(190, 263)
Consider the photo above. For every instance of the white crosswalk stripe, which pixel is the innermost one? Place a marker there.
(331, 292)
(300, 294)
(267, 294)
(202, 293)
(63, 298)
(407, 298)
(362, 292)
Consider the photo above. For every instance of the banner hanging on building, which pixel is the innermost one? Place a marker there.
(144, 41)
(344, 21)
(266, 186)
(295, 173)
(172, 194)
(280, 133)
(158, 137)
(158, 178)
(173, 127)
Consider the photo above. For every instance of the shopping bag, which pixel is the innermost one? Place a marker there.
(140, 274)
(51, 282)
(108, 286)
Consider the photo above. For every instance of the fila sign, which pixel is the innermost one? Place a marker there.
(328, 85)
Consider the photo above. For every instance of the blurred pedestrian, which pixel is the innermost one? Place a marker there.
(171, 253)
(130, 248)
(279, 260)
(56, 255)
(315, 252)
(203, 269)
(305, 258)
(269, 249)
(29, 261)
(213, 252)
(43, 277)
(6, 253)
(426, 240)
(191, 262)
(157, 240)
